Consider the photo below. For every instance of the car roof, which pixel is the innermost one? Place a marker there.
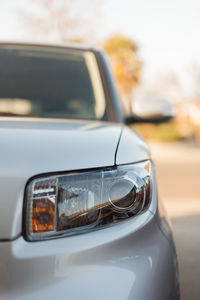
(68, 45)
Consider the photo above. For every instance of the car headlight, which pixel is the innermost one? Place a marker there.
(73, 203)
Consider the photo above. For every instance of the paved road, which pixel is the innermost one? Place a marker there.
(178, 173)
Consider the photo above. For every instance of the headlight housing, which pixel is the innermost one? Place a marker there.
(73, 203)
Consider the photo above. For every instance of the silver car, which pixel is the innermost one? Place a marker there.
(80, 216)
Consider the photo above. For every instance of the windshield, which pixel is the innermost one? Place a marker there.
(49, 82)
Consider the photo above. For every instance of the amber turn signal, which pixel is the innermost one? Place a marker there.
(43, 215)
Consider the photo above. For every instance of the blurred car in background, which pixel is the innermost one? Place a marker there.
(80, 217)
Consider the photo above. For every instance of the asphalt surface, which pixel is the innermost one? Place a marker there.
(178, 175)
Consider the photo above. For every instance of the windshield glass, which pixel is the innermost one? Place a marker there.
(49, 82)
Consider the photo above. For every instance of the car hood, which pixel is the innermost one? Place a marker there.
(32, 147)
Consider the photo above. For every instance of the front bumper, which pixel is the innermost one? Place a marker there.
(131, 260)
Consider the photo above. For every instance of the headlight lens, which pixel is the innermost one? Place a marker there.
(73, 203)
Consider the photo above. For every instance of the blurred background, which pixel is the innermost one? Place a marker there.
(154, 50)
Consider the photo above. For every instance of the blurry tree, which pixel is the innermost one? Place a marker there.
(62, 20)
(126, 64)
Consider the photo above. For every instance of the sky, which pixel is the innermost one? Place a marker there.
(167, 32)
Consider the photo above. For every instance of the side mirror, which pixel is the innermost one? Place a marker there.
(151, 110)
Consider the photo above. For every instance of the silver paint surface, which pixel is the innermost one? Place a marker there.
(131, 260)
